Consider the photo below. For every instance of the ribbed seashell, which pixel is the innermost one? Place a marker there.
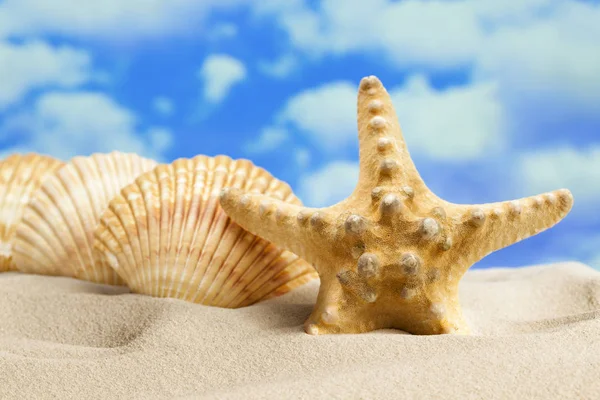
(167, 236)
(20, 176)
(56, 233)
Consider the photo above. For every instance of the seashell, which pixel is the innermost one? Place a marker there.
(20, 176)
(56, 233)
(166, 235)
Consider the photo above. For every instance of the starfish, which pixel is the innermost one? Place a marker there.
(392, 254)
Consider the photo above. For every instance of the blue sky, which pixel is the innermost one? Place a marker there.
(497, 99)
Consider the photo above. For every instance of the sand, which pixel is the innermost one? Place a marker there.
(536, 336)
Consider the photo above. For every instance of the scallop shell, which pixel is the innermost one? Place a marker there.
(56, 234)
(167, 236)
(20, 176)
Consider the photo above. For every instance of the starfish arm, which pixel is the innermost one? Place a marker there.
(289, 226)
(490, 227)
(384, 158)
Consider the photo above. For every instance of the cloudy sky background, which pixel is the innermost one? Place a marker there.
(497, 99)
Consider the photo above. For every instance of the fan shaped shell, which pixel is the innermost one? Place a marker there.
(20, 176)
(56, 233)
(167, 236)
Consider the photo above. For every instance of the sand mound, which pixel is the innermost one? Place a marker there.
(536, 335)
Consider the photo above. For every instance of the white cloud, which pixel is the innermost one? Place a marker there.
(223, 31)
(408, 32)
(326, 114)
(280, 67)
(553, 58)
(411, 32)
(115, 20)
(160, 139)
(576, 170)
(36, 64)
(163, 106)
(302, 157)
(220, 72)
(329, 185)
(540, 47)
(457, 123)
(269, 139)
(69, 124)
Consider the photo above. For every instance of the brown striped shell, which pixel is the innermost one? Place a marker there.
(56, 233)
(20, 176)
(167, 236)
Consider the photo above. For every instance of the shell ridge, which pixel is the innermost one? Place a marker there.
(152, 231)
(90, 199)
(121, 167)
(262, 268)
(60, 236)
(109, 166)
(145, 238)
(20, 176)
(220, 265)
(117, 174)
(304, 277)
(133, 234)
(198, 207)
(257, 251)
(118, 230)
(237, 233)
(197, 173)
(100, 270)
(106, 234)
(36, 255)
(217, 228)
(236, 262)
(9, 216)
(155, 290)
(166, 217)
(169, 270)
(205, 229)
(77, 223)
(254, 251)
(184, 246)
(23, 239)
(266, 256)
(246, 184)
(135, 277)
(219, 223)
(124, 169)
(274, 281)
(206, 253)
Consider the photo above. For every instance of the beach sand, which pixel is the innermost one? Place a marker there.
(536, 336)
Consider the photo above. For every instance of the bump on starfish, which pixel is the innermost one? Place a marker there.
(392, 254)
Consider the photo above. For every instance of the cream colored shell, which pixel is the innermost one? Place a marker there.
(167, 236)
(57, 229)
(20, 176)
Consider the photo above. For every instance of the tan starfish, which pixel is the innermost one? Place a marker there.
(392, 254)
